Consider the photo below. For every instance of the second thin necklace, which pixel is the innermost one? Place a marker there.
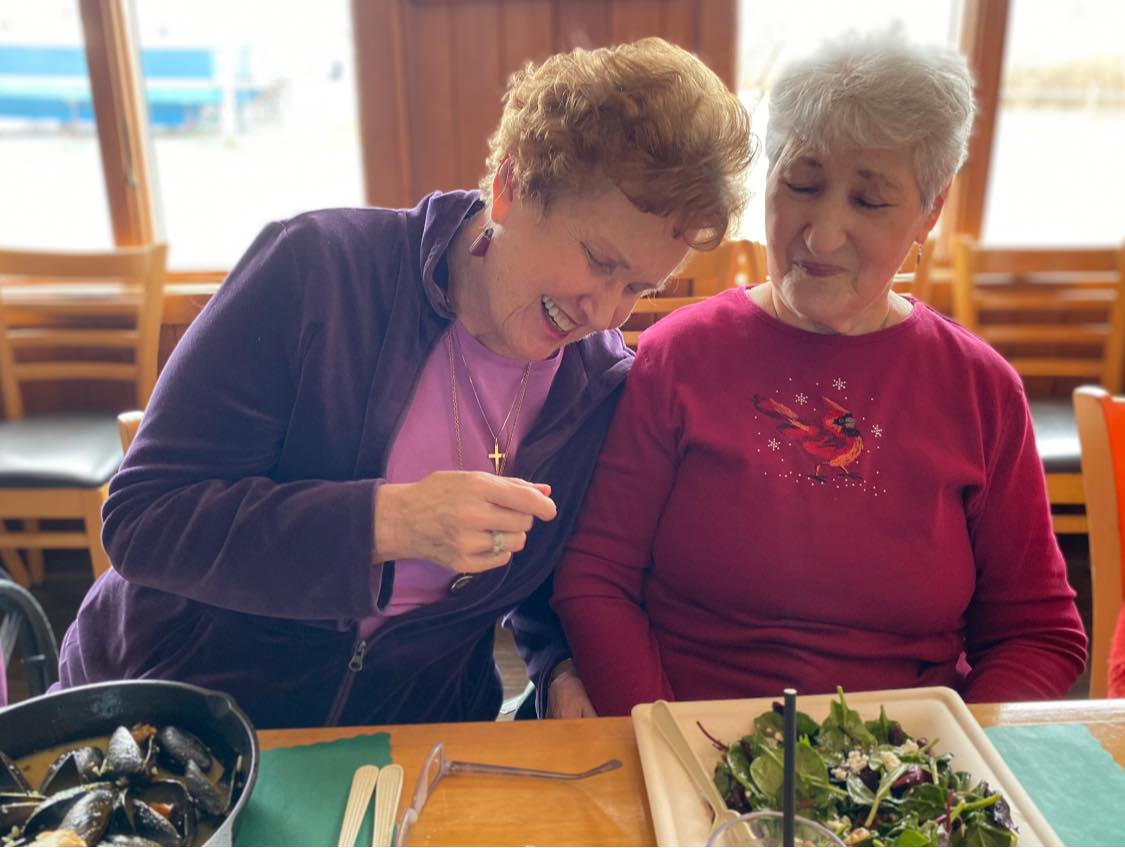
(501, 444)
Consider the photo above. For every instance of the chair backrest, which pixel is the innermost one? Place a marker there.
(1101, 431)
(1051, 312)
(26, 637)
(733, 263)
(79, 316)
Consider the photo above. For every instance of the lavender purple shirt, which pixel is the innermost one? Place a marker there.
(427, 440)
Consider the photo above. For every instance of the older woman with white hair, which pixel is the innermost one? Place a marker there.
(817, 481)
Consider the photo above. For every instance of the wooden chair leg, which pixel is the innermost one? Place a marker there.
(34, 555)
(13, 564)
(92, 516)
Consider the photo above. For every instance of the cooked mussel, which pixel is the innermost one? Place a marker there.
(73, 768)
(205, 793)
(12, 779)
(171, 801)
(84, 809)
(125, 757)
(178, 747)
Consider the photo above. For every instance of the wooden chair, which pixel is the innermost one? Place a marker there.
(705, 273)
(69, 319)
(1058, 316)
(127, 425)
(1101, 430)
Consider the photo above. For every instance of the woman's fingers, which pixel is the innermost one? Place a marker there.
(519, 496)
(495, 550)
(468, 521)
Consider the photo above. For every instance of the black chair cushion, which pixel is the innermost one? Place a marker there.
(64, 450)
(1056, 434)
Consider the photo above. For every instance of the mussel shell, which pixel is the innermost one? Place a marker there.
(171, 792)
(16, 813)
(151, 825)
(125, 839)
(89, 816)
(179, 747)
(11, 778)
(124, 757)
(75, 767)
(205, 793)
(50, 814)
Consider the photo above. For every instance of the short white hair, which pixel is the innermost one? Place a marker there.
(878, 91)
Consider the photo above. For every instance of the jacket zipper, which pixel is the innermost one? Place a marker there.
(355, 666)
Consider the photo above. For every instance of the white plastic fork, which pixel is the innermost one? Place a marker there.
(387, 792)
(363, 784)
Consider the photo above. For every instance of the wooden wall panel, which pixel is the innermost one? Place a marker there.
(581, 23)
(717, 38)
(528, 28)
(432, 72)
(633, 19)
(428, 36)
(678, 20)
(384, 118)
(478, 81)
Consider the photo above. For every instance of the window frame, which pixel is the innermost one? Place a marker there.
(123, 133)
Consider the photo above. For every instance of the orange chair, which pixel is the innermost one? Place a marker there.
(1101, 431)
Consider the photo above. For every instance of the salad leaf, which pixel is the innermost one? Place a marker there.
(843, 728)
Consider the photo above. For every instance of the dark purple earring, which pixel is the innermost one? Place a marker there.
(481, 243)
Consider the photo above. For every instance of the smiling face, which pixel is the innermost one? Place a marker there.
(548, 280)
(838, 226)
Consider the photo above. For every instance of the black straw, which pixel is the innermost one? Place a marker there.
(789, 801)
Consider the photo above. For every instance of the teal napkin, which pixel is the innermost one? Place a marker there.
(1071, 778)
(301, 792)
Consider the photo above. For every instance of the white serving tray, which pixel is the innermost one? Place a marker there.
(680, 817)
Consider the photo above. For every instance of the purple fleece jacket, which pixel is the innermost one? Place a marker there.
(240, 525)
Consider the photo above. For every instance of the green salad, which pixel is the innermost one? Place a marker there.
(870, 782)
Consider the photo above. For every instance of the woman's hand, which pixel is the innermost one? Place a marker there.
(458, 518)
(566, 696)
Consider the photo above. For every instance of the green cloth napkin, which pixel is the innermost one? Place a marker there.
(1072, 779)
(301, 792)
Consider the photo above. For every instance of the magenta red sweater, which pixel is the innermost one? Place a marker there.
(778, 508)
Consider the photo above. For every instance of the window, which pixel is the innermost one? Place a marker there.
(50, 165)
(1057, 170)
(251, 120)
(773, 34)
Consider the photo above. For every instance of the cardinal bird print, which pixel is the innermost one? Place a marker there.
(829, 442)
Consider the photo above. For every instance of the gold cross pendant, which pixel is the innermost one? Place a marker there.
(497, 456)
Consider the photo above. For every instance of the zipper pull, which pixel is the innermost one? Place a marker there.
(356, 662)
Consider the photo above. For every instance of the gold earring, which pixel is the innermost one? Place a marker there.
(918, 259)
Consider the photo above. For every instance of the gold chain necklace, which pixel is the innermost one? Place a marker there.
(499, 455)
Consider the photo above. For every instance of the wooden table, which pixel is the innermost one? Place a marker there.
(609, 809)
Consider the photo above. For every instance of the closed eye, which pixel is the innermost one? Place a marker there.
(598, 265)
(802, 189)
(863, 203)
